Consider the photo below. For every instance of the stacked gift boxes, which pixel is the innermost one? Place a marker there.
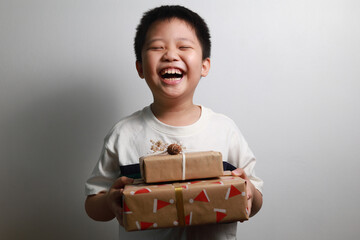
(206, 199)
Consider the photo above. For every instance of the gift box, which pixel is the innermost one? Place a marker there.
(210, 201)
(183, 166)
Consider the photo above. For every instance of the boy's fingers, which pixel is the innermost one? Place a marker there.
(118, 193)
(122, 181)
(115, 200)
(237, 172)
(249, 207)
(127, 180)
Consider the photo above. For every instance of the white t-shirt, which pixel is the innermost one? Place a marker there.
(142, 133)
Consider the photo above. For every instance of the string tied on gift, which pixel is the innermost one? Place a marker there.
(174, 149)
(183, 165)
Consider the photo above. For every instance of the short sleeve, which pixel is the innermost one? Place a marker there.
(241, 156)
(105, 172)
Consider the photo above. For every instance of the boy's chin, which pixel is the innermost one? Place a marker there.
(173, 94)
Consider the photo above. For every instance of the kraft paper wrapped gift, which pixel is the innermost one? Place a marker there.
(184, 166)
(210, 201)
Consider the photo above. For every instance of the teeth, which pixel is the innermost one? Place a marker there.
(170, 71)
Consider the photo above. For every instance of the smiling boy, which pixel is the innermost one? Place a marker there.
(172, 47)
(172, 64)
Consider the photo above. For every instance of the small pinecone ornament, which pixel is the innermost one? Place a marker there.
(174, 149)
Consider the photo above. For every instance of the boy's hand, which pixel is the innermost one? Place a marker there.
(249, 186)
(114, 197)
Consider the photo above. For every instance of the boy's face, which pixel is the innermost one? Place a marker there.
(172, 63)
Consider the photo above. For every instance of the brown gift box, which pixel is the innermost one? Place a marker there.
(208, 201)
(165, 167)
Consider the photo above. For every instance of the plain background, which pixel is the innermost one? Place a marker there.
(287, 72)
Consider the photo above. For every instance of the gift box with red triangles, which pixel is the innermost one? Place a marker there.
(209, 201)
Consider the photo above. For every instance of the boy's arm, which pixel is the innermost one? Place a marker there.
(257, 200)
(97, 208)
(254, 196)
(104, 206)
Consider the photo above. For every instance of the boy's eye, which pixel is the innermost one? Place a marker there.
(185, 47)
(156, 48)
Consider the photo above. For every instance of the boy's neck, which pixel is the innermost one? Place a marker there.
(176, 114)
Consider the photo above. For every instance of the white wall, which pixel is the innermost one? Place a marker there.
(286, 71)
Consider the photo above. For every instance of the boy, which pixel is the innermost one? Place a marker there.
(172, 47)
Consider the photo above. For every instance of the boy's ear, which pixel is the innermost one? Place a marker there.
(139, 69)
(205, 67)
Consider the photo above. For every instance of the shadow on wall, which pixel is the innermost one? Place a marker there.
(50, 141)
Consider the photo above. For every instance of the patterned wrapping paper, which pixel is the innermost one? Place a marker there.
(201, 202)
(165, 167)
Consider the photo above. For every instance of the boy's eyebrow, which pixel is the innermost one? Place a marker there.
(177, 39)
(185, 39)
(153, 40)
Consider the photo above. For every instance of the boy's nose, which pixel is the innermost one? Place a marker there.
(170, 55)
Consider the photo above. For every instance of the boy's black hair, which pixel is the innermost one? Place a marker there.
(169, 12)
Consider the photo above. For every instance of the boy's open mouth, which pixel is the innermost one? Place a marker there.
(171, 74)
